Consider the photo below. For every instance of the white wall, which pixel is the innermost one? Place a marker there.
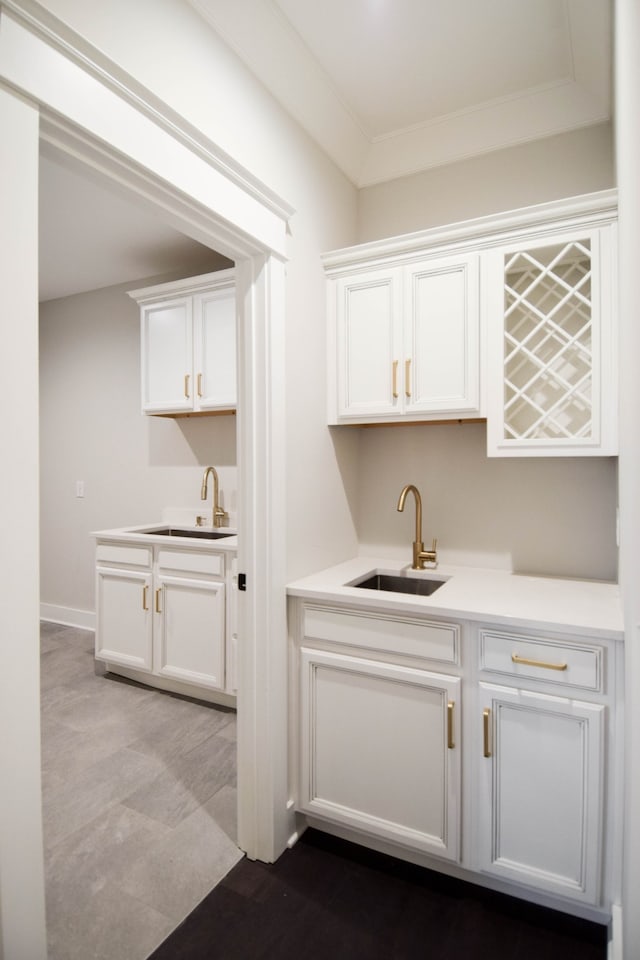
(566, 165)
(22, 911)
(543, 516)
(91, 429)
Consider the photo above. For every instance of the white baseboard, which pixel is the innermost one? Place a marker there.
(68, 616)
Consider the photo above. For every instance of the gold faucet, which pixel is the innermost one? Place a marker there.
(420, 555)
(219, 515)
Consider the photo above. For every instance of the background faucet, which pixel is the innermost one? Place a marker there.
(219, 515)
(420, 555)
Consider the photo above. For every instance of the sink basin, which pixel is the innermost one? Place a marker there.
(199, 534)
(419, 586)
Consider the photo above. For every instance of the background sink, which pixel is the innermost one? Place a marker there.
(197, 533)
(395, 584)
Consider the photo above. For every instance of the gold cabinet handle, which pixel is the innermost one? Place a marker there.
(187, 378)
(145, 596)
(515, 658)
(199, 384)
(450, 730)
(407, 378)
(395, 380)
(158, 592)
(486, 718)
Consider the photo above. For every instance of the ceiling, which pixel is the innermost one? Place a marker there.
(91, 237)
(392, 87)
(386, 87)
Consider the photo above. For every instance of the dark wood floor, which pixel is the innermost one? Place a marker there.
(331, 900)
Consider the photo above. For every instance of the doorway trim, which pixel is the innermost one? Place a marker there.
(105, 123)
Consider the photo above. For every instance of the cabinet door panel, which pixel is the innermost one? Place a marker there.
(375, 749)
(215, 364)
(190, 631)
(368, 343)
(541, 792)
(441, 352)
(124, 620)
(551, 346)
(167, 359)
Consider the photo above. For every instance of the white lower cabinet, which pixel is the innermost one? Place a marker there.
(540, 796)
(189, 630)
(123, 623)
(162, 611)
(521, 792)
(378, 749)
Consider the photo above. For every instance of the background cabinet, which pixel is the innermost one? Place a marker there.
(189, 633)
(162, 612)
(188, 345)
(123, 621)
(406, 341)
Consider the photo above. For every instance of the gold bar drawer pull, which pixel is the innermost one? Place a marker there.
(407, 378)
(516, 658)
(199, 384)
(145, 594)
(450, 731)
(187, 394)
(486, 719)
(395, 380)
(158, 592)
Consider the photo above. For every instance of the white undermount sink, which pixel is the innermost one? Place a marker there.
(398, 583)
(198, 533)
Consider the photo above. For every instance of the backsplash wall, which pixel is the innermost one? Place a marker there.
(552, 516)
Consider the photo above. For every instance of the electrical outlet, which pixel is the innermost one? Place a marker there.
(80, 488)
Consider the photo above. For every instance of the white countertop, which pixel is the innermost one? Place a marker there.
(581, 607)
(141, 534)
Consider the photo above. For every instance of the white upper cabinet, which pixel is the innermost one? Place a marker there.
(404, 341)
(188, 345)
(214, 323)
(510, 317)
(440, 358)
(551, 345)
(368, 343)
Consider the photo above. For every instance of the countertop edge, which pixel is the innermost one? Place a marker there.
(479, 595)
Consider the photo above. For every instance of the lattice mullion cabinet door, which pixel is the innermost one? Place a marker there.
(551, 345)
(441, 358)
(368, 344)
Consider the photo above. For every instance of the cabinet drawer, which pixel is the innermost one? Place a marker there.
(412, 637)
(191, 562)
(537, 658)
(123, 555)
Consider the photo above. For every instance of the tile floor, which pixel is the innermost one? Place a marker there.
(139, 805)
